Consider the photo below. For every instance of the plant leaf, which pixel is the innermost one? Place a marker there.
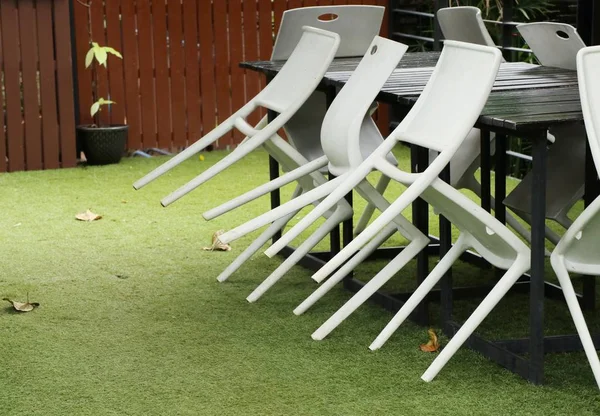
(88, 216)
(114, 52)
(89, 57)
(101, 55)
(94, 108)
(22, 306)
(433, 344)
(217, 244)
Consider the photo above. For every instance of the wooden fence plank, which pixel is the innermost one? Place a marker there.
(3, 155)
(82, 43)
(50, 141)
(163, 105)
(279, 6)
(144, 26)
(177, 73)
(294, 4)
(265, 34)
(207, 67)
(64, 76)
(29, 63)
(10, 45)
(251, 52)
(115, 65)
(131, 68)
(223, 95)
(192, 84)
(310, 3)
(238, 97)
(101, 73)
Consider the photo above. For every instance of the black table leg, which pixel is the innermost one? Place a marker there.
(500, 177)
(420, 212)
(486, 167)
(536, 286)
(445, 245)
(592, 190)
(273, 174)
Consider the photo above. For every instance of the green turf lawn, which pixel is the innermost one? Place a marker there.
(133, 322)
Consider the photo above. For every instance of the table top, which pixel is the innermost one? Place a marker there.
(525, 97)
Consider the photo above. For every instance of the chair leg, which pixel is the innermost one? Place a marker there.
(520, 266)
(584, 333)
(261, 190)
(405, 227)
(342, 213)
(371, 287)
(419, 294)
(345, 269)
(255, 246)
(292, 205)
(382, 185)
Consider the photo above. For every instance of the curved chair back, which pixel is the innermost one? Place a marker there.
(348, 116)
(464, 24)
(357, 26)
(553, 44)
(588, 63)
(454, 96)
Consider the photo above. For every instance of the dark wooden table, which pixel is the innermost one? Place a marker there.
(525, 101)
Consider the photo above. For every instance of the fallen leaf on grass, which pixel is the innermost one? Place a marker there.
(23, 306)
(433, 344)
(87, 216)
(217, 244)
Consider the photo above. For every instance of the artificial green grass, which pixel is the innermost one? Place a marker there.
(133, 322)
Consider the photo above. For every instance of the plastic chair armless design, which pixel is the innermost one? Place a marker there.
(577, 250)
(555, 44)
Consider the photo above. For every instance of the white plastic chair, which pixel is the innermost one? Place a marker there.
(577, 250)
(555, 44)
(358, 95)
(465, 24)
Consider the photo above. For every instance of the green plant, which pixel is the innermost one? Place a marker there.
(100, 53)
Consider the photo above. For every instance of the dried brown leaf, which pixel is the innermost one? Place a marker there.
(88, 216)
(217, 244)
(22, 306)
(433, 344)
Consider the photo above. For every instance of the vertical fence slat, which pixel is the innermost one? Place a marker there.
(294, 4)
(115, 66)
(50, 143)
(3, 155)
(64, 76)
(251, 52)
(176, 73)
(163, 107)
(266, 29)
(207, 64)
(10, 44)
(31, 109)
(236, 51)
(146, 73)
(310, 3)
(82, 43)
(131, 68)
(279, 6)
(325, 2)
(192, 84)
(99, 36)
(220, 26)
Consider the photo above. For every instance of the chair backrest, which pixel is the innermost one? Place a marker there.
(357, 26)
(302, 72)
(588, 64)
(349, 112)
(453, 98)
(553, 44)
(464, 24)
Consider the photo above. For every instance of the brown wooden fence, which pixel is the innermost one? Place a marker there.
(37, 130)
(179, 75)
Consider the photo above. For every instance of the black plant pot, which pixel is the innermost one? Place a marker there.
(102, 145)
